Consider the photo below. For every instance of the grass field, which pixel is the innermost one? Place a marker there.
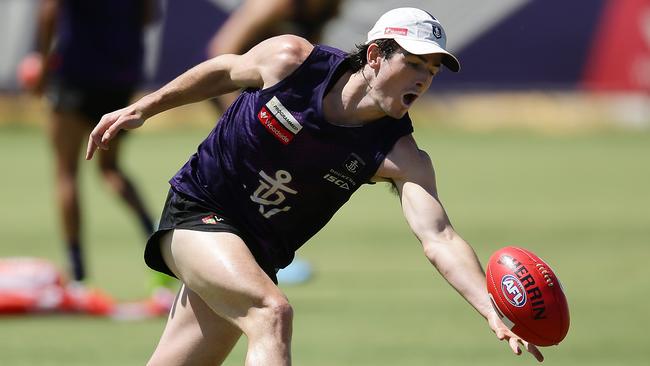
(581, 202)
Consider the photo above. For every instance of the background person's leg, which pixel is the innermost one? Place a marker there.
(122, 185)
(67, 132)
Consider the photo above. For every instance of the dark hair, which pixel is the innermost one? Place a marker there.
(356, 60)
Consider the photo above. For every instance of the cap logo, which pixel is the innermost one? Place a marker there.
(397, 31)
(437, 32)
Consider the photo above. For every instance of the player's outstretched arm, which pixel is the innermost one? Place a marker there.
(261, 67)
(412, 173)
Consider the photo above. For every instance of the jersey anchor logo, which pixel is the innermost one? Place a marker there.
(354, 163)
(271, 192)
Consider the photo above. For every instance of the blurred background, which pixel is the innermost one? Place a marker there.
(541, 141)
(544, 64)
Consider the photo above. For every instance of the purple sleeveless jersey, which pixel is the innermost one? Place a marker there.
(274, 165)
(100, 43)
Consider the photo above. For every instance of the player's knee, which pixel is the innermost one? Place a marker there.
(66, 173)
(108, 170)
(276, 312)
(113, 176)
(66, 181)
(279, 308)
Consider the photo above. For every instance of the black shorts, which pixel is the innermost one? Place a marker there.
(90, 102)
(181, 212)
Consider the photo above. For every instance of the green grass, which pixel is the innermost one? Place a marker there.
(581, 202)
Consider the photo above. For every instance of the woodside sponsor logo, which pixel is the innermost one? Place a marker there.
(272, 125)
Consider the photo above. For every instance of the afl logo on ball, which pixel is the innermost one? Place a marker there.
(513, 290)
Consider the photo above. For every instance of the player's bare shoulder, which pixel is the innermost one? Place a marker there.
(279, 56)
(405, 161)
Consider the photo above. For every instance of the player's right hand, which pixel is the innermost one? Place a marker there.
(503, 333)
(123, 119)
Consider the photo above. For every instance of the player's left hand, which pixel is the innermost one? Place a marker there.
(504, 334)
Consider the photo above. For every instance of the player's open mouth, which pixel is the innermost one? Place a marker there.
(409, 98)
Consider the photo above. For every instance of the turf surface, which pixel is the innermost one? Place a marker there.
(581, 202)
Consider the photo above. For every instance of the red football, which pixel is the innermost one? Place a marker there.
(527, 296)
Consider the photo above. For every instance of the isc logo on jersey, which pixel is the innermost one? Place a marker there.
(513, 290)
(277, 119)
(339, 182)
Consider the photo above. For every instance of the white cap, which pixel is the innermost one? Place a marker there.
(416, 31)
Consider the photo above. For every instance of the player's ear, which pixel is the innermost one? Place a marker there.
(373, 55)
